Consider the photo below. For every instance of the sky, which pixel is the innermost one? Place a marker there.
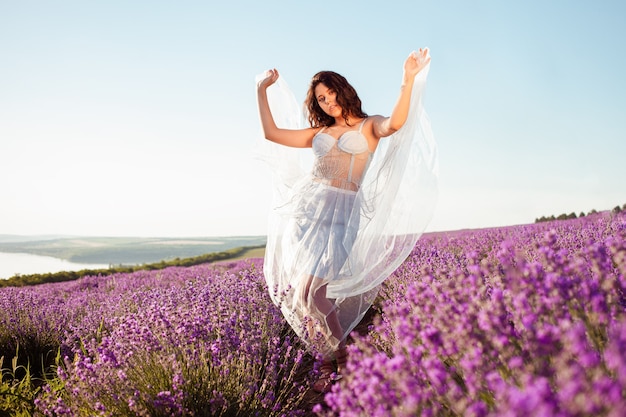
(139, 118)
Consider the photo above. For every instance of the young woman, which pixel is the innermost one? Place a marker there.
(339, 230)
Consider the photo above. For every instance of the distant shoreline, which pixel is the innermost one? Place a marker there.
(15, 264)
(122, 250)
(234, 254)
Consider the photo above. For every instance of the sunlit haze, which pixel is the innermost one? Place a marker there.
(139, 118)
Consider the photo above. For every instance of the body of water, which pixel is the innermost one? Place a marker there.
(26, 263)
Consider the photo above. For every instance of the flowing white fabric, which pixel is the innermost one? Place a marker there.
(344, 237)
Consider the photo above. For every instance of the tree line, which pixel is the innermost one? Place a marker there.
(564, 216)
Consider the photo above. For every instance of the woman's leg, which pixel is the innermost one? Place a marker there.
(328, 310)
(325, 309)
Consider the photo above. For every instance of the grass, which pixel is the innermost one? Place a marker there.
(251, 253)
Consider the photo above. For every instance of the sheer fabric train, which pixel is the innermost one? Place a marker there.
(349, 238)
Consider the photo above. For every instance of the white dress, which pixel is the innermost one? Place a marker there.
(348, 222)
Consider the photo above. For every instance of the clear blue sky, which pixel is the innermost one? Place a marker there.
(138, 118)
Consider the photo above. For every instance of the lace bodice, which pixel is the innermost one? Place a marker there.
(341, 162)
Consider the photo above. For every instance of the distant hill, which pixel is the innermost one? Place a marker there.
(122, 250)
(21, 238)
(227, 256)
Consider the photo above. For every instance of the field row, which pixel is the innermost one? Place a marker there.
(525, 320)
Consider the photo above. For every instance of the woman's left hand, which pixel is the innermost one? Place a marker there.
(416, 62)
(270, 78)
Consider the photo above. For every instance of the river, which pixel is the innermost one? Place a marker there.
(26, 263)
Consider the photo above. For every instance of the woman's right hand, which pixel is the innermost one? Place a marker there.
(271, 76)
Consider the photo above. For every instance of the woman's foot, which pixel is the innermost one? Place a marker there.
(326, 378)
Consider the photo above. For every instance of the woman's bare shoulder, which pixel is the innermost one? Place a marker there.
(373, 124)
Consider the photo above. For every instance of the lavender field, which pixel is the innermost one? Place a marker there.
(517, 321)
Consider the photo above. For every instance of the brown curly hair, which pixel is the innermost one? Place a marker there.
(347, 98)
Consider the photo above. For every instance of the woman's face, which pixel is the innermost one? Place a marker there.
(326, 98)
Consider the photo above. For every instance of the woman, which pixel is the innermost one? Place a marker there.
(338, 230)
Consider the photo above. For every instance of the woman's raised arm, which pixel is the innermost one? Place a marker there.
(385, 126)
(300, 138)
